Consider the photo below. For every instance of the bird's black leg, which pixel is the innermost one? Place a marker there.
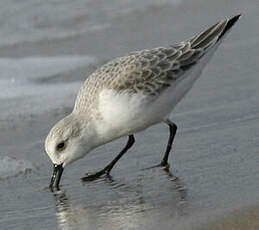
(172, 129)
(109, 167)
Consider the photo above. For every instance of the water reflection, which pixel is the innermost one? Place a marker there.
(135, 206)
(68, 216)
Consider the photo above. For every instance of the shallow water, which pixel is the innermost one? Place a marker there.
(214, 173)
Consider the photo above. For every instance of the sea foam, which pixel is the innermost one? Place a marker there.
(11, 167)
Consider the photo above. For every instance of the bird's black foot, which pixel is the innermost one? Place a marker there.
(95, 176)
(164, 165)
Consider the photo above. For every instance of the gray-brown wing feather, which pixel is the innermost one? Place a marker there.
(152, 71)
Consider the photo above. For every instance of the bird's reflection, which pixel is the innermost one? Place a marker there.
(132, 207)
(178, 184)
(69, 216)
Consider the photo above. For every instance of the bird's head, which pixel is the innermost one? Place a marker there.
(66, 142)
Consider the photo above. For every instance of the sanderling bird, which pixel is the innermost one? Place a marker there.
(130, 94)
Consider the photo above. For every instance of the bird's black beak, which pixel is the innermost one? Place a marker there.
(56, 176)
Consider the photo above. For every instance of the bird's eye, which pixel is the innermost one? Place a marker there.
(61, 146)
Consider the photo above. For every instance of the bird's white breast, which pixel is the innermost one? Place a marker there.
(122, 113)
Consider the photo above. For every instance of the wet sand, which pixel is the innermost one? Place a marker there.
(213, 181)
(246, 218)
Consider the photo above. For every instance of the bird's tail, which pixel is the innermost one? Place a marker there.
(200, 48)
(214, 34)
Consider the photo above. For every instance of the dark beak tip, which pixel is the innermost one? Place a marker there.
(51, 188)
(56, 176)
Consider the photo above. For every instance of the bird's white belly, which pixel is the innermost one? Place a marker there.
(124, 113)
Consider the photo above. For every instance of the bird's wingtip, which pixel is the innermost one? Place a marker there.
(235, 18)
(230, 24)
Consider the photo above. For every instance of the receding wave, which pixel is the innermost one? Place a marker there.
(12, 167)
(29, 21)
